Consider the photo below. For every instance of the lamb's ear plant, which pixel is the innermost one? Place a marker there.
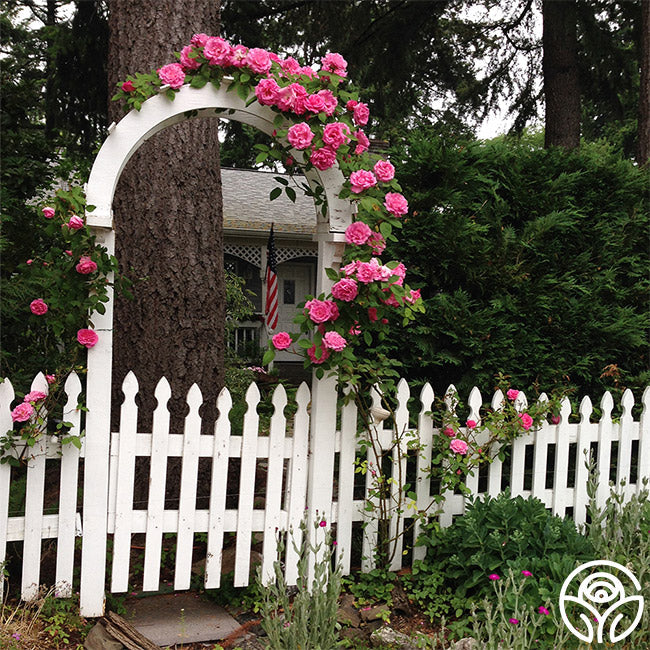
(309, 621)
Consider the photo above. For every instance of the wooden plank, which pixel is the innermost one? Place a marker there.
(475, 402)
(581, 475)
(562, 495)
(6, 424)
(218, 487)
(187, 500)
(124, 486)
(157, 479)
(625, 441)
(68, 487)
(644, 442)
(246, 488)
(274, 477)
(605, 436)
(297, 478)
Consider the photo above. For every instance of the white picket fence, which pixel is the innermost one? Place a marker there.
(308, 462)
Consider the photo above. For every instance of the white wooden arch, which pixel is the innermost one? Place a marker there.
(156, 114)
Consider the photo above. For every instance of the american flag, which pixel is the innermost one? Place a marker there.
(271, 307)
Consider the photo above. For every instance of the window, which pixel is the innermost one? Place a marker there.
(251, 275)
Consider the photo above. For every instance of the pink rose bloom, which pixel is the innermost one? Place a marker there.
(334, 62)
(449, 432)
(360, 114)
(471, 424)
(292, 98)
(351, 268)
(68, 253)
(86, 266)
(323, 158)
(29, 262)
(526, 420)
(458, 446)
(128, 87)
(336, 134)
(367, 272)
(555, 419)
(334, 341)
(238, 56)
(22, 412)
(414, 297)
(281, 341)
(330, 101)
(75, 223)
(351, 104)
(334, 310)
(357, 233)
(88, 338)
(267, 91)
(38, 307)
(306, 71)
(199, 39)
(377, 243)
(187, 62)
(384, 171)
(48, 213)
(355, 330)
(391, 301)
(217, 51)
(396, 204)
(311, 353)
(372, 314)
(400, 272)
(362, 142)
(35, 396)
(320, 311)
(512, 394)
(314, 103)
(172, 74)
(362, 180)
(383, 272)
(345, 289)
(50, 379)
(300, 135)
(290, 66)
(259, 60)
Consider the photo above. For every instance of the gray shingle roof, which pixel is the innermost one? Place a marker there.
(246, 204)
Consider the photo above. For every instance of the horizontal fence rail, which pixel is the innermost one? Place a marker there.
(236, 491)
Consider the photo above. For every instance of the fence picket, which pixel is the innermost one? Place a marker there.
(581, 474)
(124, 486)
(605, 437)
(625, 442)
(562, 495)
(246, 488)
(6, 424)
(423, 480)
(157, 479)
(187, 499)
(68, 486)
(644, 441)
(218, 486)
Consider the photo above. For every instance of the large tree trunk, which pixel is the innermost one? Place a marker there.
(560, 64)
(643, 155)
(168, 221)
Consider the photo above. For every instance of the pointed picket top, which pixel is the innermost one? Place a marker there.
(645, 400)
(224, 402)
(130, 386)
(7, 393)
(279, 399)
(521, 402)
(543, 398)
(403, 393)
(252, 395)
(303, 396)
(607, 406)
(475, 402)
(451, 398)
(72, 389)
(627, 402)
(585, 410)
(194, 399)
(375, 395)
(40, 383)
(426, 398)
(163, 392)
(565, 409)
(498, 400)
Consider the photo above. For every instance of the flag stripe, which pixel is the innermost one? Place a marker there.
(271, 307)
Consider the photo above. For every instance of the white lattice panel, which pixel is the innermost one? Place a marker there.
(252, 254)
(284, 254)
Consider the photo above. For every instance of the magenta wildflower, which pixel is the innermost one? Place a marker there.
(526, 573)
(514, 621)
(494, 576)
(542, 610)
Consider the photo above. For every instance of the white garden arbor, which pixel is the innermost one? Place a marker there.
(156, 114)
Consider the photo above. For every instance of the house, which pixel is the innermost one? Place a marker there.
(248, 214)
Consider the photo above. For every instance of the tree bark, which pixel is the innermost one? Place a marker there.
(560, 66)
(168, 222)
(643, 154)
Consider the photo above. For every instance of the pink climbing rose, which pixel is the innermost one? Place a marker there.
(334, 62)
(292, 98)
(38, 307)
(384, 171)
(317, 355)
(512, 394)
(323, 158)
(300, 135)
(458, 446)
(449, 432)
(336, 134)
(281, 341)
(86, 266)
(35, 396)
(87, 337)
(128, 86)
(396, 204)
(377, 242)
(321, 311)
(345, 289)
(267, 91)
(259, 61)
(362, 180)
(75, 223)
(216, 50)
(362, 142)
(334, 341)
(50, 379)
(360, 114)
(48, 213)
(199, 39)
(188, 62)
(330, 101)
(172, 74)
(314, 103)
(357, 233)
(526, 420)
(22, 412)
(471, 424)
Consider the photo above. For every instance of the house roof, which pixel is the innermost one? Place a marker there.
(246, 204)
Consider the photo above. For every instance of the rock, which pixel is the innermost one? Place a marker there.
(99, 639)
(468, 643)
(347, 614)
(375, 613)
(228, 561)
(353, 634)
(387, 636)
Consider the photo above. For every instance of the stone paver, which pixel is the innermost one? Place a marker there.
(179, 618)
